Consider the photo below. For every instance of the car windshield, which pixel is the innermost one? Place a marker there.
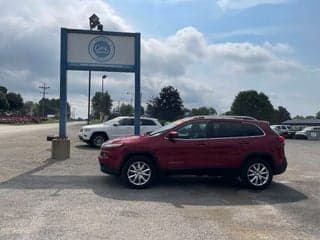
(165, 128)
(112, 121)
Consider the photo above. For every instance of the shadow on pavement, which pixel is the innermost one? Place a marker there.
(86, 147)
(181, 190)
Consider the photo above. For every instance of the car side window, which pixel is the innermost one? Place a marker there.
(195, 130)
(147, 122)
(251, 130)
(126, 122)
(235, 129)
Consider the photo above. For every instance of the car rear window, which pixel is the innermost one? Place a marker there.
(235, 129)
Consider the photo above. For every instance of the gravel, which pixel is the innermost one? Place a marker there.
(41, 198)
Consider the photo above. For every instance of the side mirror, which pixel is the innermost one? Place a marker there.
(172, 135)
(116, 124)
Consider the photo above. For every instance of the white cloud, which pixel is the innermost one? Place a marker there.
(205, 73)
(212, 74)
(243, 4)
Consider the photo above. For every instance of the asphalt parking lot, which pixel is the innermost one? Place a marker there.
(41, 198)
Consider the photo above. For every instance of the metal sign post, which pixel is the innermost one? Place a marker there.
(85, 50)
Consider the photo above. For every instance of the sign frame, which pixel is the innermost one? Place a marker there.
(64, 67)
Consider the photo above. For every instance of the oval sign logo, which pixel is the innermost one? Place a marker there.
(101, 49)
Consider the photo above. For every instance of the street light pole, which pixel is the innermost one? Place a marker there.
(89, 93)
(93, 22)
(103, 77)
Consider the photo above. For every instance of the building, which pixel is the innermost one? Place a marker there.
(302, 122)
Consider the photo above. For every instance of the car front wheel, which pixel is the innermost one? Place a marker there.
(98, 139)
(138, 172)
(257, 174)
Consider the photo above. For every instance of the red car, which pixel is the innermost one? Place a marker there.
(238, 146)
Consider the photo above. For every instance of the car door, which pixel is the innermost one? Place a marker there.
(225, 148)
(124, 128)
(231, 142)
(187, 151)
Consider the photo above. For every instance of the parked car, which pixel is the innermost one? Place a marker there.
(198, 145)
(283, 130)
(303, 134)
(97, 134)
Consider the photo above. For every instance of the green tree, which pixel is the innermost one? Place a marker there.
(318, 115)
(15, 101)
(126, 110)
(168, 106)
(28, 108)
(101, 104)
(142, 110)
(299, 117)
(49, 107)
(203, 111)
(254, 104)
(310, 117)
(4, 105)
(280, 115)
(3, 89)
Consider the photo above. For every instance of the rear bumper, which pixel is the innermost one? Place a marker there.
(281, 168)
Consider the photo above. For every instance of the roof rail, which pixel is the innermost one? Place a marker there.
(224, 116)
(240, 117)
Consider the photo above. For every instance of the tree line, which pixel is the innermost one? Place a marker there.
(167, 106)
(12, 103)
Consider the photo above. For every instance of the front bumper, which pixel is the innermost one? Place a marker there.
(108, 170)
(82, 139)
(281, 168)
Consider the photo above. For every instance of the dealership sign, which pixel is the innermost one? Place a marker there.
(85, 50)
(100, 50)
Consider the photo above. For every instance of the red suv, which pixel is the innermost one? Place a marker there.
(238, 146)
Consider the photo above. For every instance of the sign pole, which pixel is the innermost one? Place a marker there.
(63, 85)
(137, 96)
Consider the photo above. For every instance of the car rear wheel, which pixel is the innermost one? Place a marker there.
(257, 174)
(138, 172)
(98, 139)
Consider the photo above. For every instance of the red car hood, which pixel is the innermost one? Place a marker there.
(129, 139)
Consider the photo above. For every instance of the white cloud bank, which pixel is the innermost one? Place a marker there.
(205, 73)
(243, 4)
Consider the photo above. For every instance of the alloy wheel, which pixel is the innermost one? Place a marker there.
(139, 173)
(98, 140)
(258, 174)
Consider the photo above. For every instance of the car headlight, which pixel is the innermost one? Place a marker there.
(86, 129)
(111, 145)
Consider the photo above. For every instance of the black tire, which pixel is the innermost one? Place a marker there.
(98, 139)
(257, 174)
(138, 172)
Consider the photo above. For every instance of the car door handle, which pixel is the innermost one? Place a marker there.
(244, 142)
(202, 144)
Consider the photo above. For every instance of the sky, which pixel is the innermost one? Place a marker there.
(208, 49)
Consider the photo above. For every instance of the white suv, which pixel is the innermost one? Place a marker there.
(96, 134)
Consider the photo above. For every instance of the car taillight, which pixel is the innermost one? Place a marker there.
(281, 139)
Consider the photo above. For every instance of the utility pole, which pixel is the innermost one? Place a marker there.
(44, 91)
